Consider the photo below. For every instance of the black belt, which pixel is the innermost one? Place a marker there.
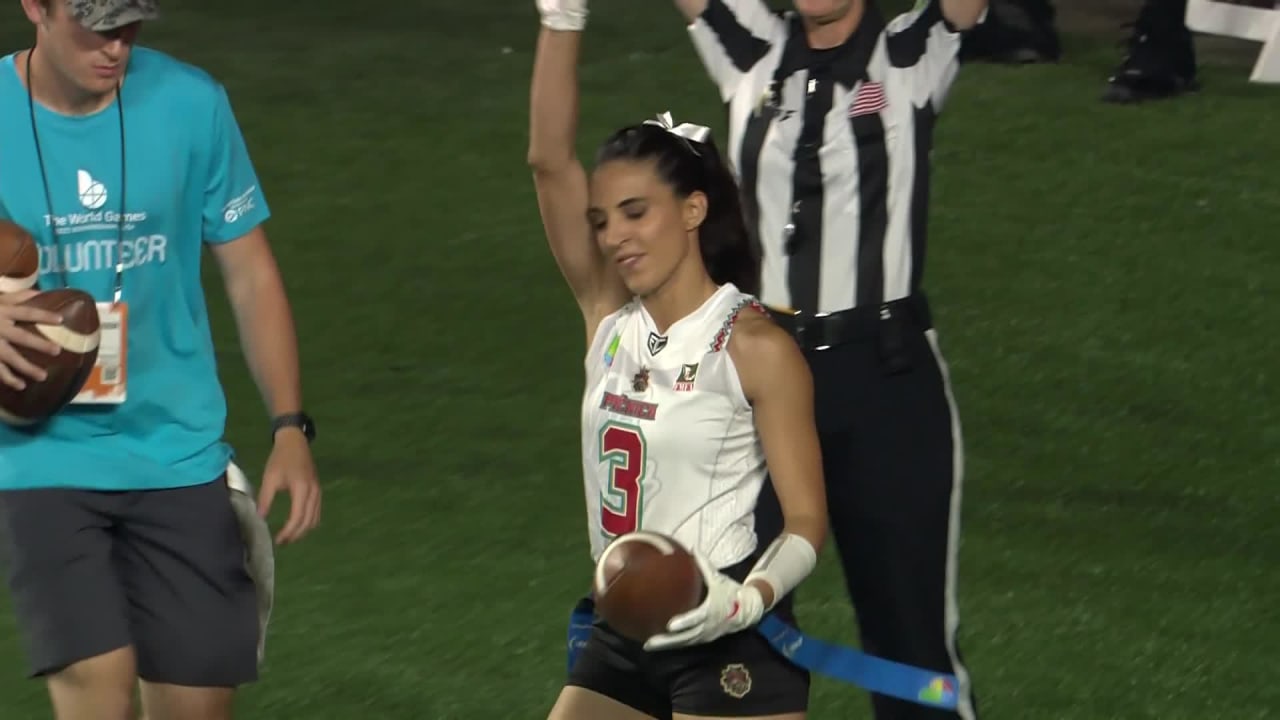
(884, 323)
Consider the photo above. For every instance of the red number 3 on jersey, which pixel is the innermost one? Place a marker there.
(623, 447)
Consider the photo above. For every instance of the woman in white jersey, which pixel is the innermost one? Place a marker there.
(698, 410)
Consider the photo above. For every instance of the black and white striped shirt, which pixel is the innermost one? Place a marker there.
(831, 147)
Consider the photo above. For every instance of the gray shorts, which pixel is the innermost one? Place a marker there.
(160, 570)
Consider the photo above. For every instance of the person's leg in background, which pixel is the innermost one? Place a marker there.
(1161, 57)
(1015, 32)
(1160, 61)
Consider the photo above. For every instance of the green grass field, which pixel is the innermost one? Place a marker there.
(1104, 280)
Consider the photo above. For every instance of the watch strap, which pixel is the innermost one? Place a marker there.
(299, 420)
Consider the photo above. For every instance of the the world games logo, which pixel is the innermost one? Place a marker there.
(939, 691)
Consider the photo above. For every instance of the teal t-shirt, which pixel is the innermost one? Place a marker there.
(188, 180)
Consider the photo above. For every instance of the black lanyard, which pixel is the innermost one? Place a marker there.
(59, 259)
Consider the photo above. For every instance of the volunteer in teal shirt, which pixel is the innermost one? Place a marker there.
(168, 432)
(135, 549)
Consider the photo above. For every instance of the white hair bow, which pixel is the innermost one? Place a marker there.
(688, 132)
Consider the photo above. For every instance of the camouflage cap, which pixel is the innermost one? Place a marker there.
(104, 15)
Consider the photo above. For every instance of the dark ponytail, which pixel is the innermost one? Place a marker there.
(728, 251)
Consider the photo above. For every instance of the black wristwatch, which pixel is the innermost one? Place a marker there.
(299, 420)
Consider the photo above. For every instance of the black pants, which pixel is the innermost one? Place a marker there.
(892, 461)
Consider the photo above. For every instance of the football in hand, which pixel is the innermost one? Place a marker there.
(644, 579)
(78, 338)
(19, 258)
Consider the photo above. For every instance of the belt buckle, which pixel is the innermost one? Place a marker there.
(821, 323)
(810, 331)
(805, 328)
(787, 317)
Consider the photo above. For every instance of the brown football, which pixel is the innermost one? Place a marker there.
(78, 336)
(644, 579)
(19, 258)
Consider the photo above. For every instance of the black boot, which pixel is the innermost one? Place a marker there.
(1015, 31)
(1161, 61)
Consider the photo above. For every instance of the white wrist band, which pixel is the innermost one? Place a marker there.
(785, 564)
(567, 21)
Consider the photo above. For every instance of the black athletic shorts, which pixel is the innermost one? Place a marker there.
(738, 675)
(160, 570)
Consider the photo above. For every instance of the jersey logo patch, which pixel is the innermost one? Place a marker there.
(735, 680)
(656, 342)
(612, 350)
(685, 380)
(640, 381)
(623, 405)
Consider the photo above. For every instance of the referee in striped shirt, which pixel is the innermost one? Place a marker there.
(831, 117)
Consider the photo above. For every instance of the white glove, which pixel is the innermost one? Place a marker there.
(729, 607)
(563, 14)
(260, 558)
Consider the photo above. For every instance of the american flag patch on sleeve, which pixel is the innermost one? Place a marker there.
(869, 99)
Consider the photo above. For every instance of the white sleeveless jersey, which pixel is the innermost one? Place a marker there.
(668, 439)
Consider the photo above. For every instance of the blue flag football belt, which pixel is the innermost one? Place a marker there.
(877, 675)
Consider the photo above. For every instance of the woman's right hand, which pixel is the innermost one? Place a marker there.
(15, 369)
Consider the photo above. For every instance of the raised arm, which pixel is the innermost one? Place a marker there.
(964, 14)
(927, 39)
(691, 9)
(558, 175)
(731, 36)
